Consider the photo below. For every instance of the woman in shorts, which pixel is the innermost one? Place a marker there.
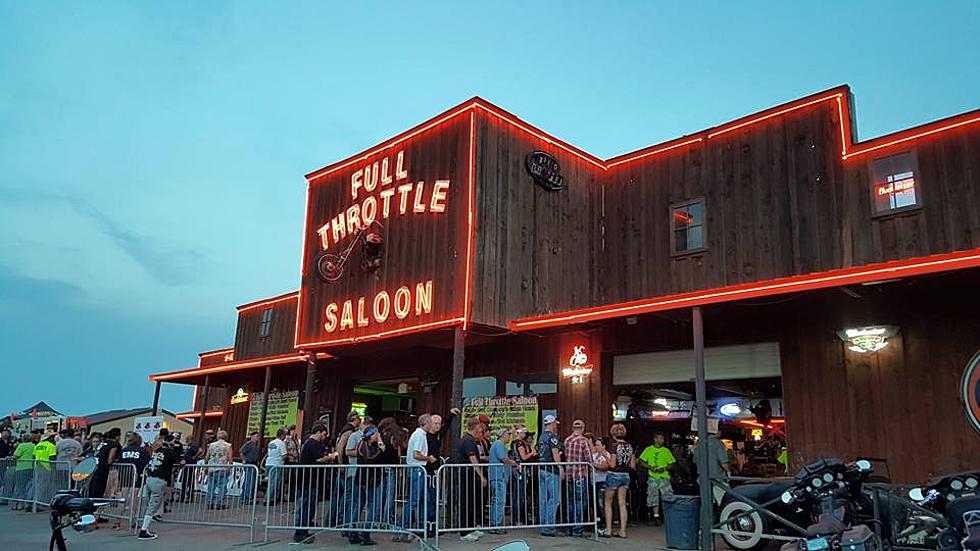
(621, 463)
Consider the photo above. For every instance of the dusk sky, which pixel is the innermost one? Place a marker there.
(152, 154)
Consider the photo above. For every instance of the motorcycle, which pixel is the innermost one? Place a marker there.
(945, 516)
(751, 515)
(69, 508)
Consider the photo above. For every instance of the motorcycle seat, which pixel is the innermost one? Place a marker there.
(762, 492)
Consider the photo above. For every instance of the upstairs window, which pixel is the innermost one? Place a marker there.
(265, 326)
(687, 226)
(893, 184)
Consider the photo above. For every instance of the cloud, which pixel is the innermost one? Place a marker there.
(36, 291)
(165, 262)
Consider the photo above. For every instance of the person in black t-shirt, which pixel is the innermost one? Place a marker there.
(314, 452)
(107, 454)
(159, 471)
(135, 454)
(471, 481)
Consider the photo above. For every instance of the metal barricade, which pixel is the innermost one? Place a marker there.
(207, 495)
(354, 500)
(119, 481)
(49, 478)
(17, 483)
(547, 496)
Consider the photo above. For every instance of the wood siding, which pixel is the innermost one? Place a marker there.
(534, 247)
(249, 345)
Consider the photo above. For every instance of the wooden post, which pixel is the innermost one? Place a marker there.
(156, 398)
(700, 393)
(308, 415)
(459, 357)
(265, 401)
(204, 408)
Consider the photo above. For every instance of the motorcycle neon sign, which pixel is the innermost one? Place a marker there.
(578, 366)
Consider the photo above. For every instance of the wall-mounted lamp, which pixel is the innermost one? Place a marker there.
(867, 339)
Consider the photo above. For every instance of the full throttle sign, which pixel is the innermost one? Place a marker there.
(386, 239)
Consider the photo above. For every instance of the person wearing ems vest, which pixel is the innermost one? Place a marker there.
(657, 459)
(159, 472)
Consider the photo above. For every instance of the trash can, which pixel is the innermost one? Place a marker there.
(681, 521)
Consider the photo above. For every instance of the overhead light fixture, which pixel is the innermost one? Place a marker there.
(867, 339)
(731, 409)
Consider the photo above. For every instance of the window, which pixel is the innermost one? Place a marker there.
(265, 326)
(528, 384)
(687, 226)
(479, 387)
(893, 185)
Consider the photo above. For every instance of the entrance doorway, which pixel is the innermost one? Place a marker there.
(387, 398)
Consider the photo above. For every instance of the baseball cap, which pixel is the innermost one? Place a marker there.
(578, 424)
(549, 419)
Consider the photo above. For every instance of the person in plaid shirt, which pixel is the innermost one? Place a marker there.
(577, 450)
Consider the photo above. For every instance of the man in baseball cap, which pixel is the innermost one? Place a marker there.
(549, 476)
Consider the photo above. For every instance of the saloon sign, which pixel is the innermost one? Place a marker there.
(386, 238)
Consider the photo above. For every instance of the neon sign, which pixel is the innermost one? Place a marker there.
(240, 397)
(578, 366)
(361, 313)
(867, 339)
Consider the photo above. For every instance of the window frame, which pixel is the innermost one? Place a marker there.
(674, 253)
(875, 215)
(265, 325)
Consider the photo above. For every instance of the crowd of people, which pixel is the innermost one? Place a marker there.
(551, 482)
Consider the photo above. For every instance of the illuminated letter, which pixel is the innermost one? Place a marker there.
(369, 210)
(386, 197)
(423, 298)
(331, 314)
(404, 189)
(355, 182)
(371, 177)
(400, 172)
(337, 228)
(419, 206)
(439, 196)
(324, 236)
(385, 175)
(353, 219)
(347, 316)
(403, 298)
(382, 306)
(361, 320)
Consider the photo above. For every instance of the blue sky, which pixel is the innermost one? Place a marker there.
(152, 155)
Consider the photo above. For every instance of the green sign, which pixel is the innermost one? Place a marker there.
(281, 412)
(504, 412)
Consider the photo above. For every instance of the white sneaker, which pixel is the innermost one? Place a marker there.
(472, 537)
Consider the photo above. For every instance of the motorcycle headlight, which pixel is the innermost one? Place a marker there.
(828, 478)
(816, 482)
(956, 484)
(972, 483)
(951, 497)
(85, 524)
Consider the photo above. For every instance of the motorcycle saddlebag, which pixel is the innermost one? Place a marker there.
(859, 538)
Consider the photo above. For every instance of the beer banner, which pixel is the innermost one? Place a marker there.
(281, 413)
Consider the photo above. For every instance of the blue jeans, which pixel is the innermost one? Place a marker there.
(305, 511)
(272, 492)
(578, 503)
(337, 494)
(248, 485)
(352, 506)
(498, 497)
(388, 496)
(374, 503)
(518, 497)
(549, 494)
(600, 498)
(417, 491)
(217, 487)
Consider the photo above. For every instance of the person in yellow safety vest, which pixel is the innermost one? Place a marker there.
(657, 459)
(24, 482)
(43, 452)
(783, 459)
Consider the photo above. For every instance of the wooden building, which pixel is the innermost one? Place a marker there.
(475, 254)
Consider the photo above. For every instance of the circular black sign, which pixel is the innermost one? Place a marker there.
(970, 390)
(545, 170)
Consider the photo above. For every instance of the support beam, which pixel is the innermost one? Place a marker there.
(700, 392)
(156, 399)
(459, 357)
(308, 415)
(199, 422)
(265, 401)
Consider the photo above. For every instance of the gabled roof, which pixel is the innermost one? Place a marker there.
(113, 414)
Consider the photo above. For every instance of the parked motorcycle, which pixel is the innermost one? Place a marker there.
(68, 508)
(751, 515)
(946, 515)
